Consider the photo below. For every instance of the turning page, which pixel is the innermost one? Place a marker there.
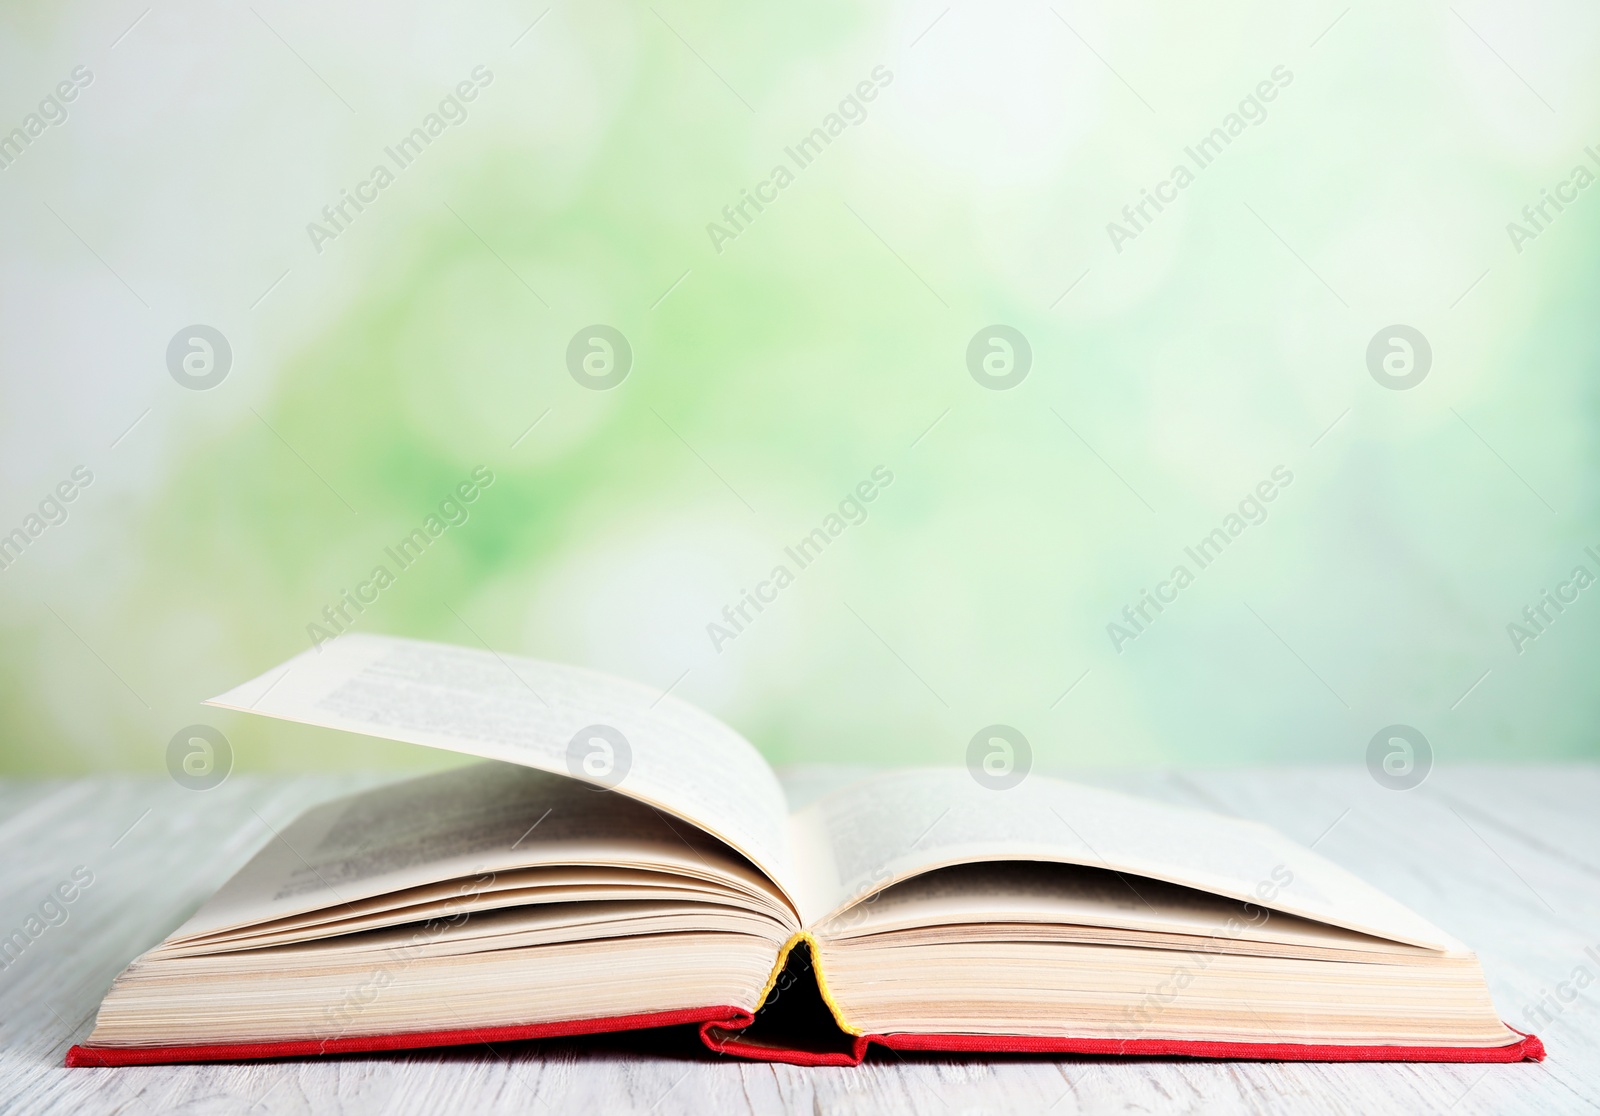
(482, 825)
(561, 719)
(864, 837)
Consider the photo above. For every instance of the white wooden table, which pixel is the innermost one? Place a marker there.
(1508, 859)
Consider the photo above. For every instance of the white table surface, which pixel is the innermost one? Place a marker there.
(1506, 858)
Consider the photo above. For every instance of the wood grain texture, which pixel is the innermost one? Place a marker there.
(1507, 859)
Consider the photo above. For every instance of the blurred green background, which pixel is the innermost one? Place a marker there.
(1170, 373)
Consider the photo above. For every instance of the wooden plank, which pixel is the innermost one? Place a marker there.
(1504, 858)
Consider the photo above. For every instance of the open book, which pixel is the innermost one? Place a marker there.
(624, 860)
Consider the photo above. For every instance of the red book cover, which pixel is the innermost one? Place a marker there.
(720, 1029)
(724, 1040)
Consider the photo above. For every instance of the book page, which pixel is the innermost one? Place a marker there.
(560, 719)
(856, 841)
(471, 825)
(1002, 898)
